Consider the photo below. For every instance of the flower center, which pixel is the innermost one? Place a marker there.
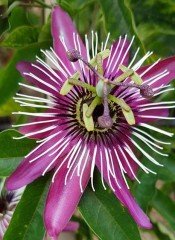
(102, 97)
(97, 112)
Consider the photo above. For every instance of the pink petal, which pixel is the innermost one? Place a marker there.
(63, 26)
(38, 126)
(124, 195)
(145, 116)
(71, 227)
(44, 82)
(63, 199)
(140, 115)
(117, 58)
(168, 63)
(133, 165)
(28, 171)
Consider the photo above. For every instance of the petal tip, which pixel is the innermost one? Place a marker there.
(145, 223)
(20, 66)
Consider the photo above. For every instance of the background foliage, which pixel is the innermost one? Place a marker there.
(24, 30)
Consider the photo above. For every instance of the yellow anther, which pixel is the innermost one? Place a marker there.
(126, 73)
(129, 116)
(134, 76)
(120, 102)
(96, 101)
(88, 121)
(104, 54)
(67, 87)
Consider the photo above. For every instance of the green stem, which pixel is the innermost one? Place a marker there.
(11, 7)
(43, 4)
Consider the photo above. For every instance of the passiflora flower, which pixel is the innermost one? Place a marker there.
(8, 203)
(97, 99)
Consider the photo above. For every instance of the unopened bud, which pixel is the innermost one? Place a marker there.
(146, 91)
(73, 55)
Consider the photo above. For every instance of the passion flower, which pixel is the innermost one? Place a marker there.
(95, 101)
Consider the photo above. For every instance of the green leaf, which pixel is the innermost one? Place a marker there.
(27, 221)
(84, 232)
(45, 33)
(105, 215)
(18, 18)
(9, 77)
(9, 107)
(120, 20)
(166, 173)
(155, 21)
(12, 151)
(21, 37)
(165, 206)
(145, 191)
(4, 26)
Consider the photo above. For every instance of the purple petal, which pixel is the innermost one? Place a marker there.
(38, 126)
(119, 55)
(140, 116)
(133, 165)
(71, 227)
(63, 26)
(124, 195)
(168, 63)
(62, 200)
(28, 171)
(148, 115)
(43, 81)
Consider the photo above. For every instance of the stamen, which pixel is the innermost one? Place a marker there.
(88, 121)
(67, 87)
(145, 90)
(96, 101)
